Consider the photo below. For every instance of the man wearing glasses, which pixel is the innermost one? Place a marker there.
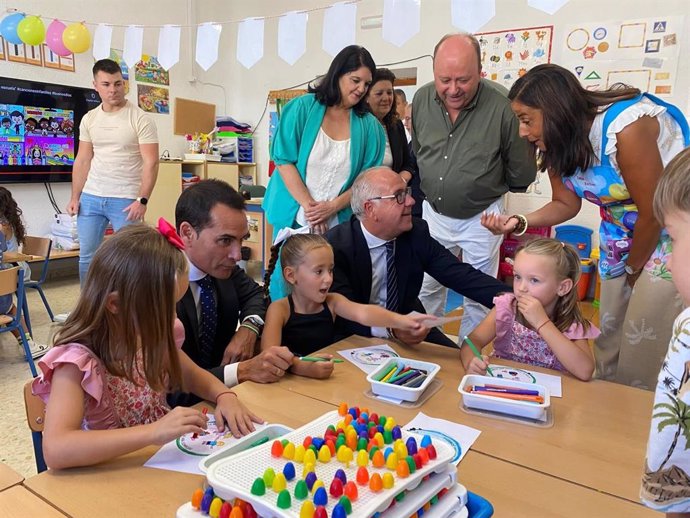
(382, 253)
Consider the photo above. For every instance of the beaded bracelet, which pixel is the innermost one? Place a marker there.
(522, 225)
(223, 393)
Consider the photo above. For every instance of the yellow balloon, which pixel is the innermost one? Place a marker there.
(31, 30)
(76, 38)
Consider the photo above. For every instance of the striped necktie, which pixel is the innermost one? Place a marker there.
(391, 278)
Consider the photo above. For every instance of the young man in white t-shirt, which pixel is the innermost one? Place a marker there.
(116, 166)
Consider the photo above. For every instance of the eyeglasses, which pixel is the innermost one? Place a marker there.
(399, 196)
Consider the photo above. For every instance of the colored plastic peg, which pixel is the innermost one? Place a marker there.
(350, 490)
(289, 451)
(299, 453)
(226, 509)
(309, 457)
(378, 459)
(277, 449)
(279, 483)
(289, 470)
(362, 476)
(362, 458)
(375, 483)
(301, 490)
(410, 463)
(338, 511)
(431, 450)
(206, 500)
(324, 454)
(392, 461)
(214, 509)
(411, 445)
(388, 481)
(336, 489)
(320, 512)
(307, 510)
(284, 500)
(426, 441)
(342, 410)
(396, 433)
(310, 479)
(196, 498)
(340, 474)
(259, 486)
(320, 497)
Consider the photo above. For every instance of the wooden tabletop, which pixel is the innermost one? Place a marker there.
(18, 502)
(598, 439)
(124, 487)
(8, 477)
(15, 257)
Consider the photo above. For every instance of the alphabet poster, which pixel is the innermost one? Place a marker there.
(641, 53)
(509, 54)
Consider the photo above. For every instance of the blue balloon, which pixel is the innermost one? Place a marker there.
(8, 28)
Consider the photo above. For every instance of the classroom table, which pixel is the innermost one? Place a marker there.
(8, 477)
(123, 487)
(598, 439)
(18, 502)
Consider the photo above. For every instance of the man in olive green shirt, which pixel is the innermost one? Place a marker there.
(469, 154)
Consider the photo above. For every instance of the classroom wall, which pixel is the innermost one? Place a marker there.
(242, 93)
(248, 88)
(33, 198)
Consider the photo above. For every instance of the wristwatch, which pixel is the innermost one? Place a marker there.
(142, 200)
(630, 270)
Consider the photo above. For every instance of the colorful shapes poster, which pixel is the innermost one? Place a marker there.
(509, 54)
(642, 53)
(153, 99)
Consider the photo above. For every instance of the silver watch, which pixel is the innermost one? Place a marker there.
(630, 270)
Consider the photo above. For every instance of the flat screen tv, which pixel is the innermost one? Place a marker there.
(39, 129)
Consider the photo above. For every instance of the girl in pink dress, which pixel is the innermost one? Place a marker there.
(540, 323)
(118, 354)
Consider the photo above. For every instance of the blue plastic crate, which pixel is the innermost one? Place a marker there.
(580, 238)
(478, 507)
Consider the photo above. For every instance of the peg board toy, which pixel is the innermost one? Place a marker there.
(346, 462)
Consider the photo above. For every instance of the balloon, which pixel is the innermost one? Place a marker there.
(54, 38)
(8, 28)
(76, 38)
(31, 30)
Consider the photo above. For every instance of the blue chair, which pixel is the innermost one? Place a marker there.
(11, 282)
(39, 246)
(35, 416)
(478, 507)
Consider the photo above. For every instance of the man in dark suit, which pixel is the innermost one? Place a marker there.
(382, 205)
(211, 220)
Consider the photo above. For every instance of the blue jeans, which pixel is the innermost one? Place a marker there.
(93, 217)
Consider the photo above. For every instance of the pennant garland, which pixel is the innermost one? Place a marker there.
(169, 46)
(292, 36)
(207, 39)
(471, 15)
(102, 39)
(250, 41)
(134, 40)
(339, 23)
(400, 20)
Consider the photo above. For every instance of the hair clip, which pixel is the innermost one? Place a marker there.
(287, 232)
(169, 232)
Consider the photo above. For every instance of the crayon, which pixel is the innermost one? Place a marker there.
(403, 373)
(515, 397)
(415, 380)
(403, 379)
(393, 373)
(506, 390)
(260, 441)
(381, 375)
(319, 359)
(477, 353)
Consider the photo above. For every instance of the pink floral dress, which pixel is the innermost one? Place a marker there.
(519, 343)
(110, 401)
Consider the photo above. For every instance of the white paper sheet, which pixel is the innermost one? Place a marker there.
(369, 358)
(458, 436)
(134, 41)
(102, 38)
(250, 41)
(169, 46)
(185, 453)
(553, 383)
(292, 36)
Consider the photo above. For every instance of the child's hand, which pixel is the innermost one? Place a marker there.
(413, 321)
(231, 410)
(478, 366)
(532, 310)
(179, 421)
(317, 370)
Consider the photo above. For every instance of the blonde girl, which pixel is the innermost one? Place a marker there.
(304, 320)
(106, 379)
(540, 323)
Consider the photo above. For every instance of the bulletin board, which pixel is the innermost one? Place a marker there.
(193, 117)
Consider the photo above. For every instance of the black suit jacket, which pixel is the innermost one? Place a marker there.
(238, 297)
(404, 160)
(416, 253)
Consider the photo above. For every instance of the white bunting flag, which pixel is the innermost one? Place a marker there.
(471, 15)
(169, 46)
(548, 6)
(250, 41)
(207, 39)
(292, 36)
(400, 20)
(102, 38)
(134, 39)
(339, 23)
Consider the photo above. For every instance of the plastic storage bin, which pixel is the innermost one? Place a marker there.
(580, 238)
(587, 269)
(504, 406)
(398, 391)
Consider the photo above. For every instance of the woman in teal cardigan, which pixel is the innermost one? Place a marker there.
(333, 114)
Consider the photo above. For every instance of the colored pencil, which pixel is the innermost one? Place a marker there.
(506, 390)
(319, 359)
(515, 397)
(477, 353)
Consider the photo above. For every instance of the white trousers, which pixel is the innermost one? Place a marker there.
(477, 246)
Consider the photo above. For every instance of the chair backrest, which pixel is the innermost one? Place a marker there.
(8, 280)
(38, 246)
(35, 409)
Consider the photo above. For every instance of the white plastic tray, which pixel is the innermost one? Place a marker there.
(268, 434)
(505, 406)
(232, 477)
(397, 391)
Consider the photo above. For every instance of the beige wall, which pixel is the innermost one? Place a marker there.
(242, 93)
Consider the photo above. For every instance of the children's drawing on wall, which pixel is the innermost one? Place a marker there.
(642, 53)
(2, 48)
(153, 99)
(116, 55)
(148, 70)
(509, 54)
